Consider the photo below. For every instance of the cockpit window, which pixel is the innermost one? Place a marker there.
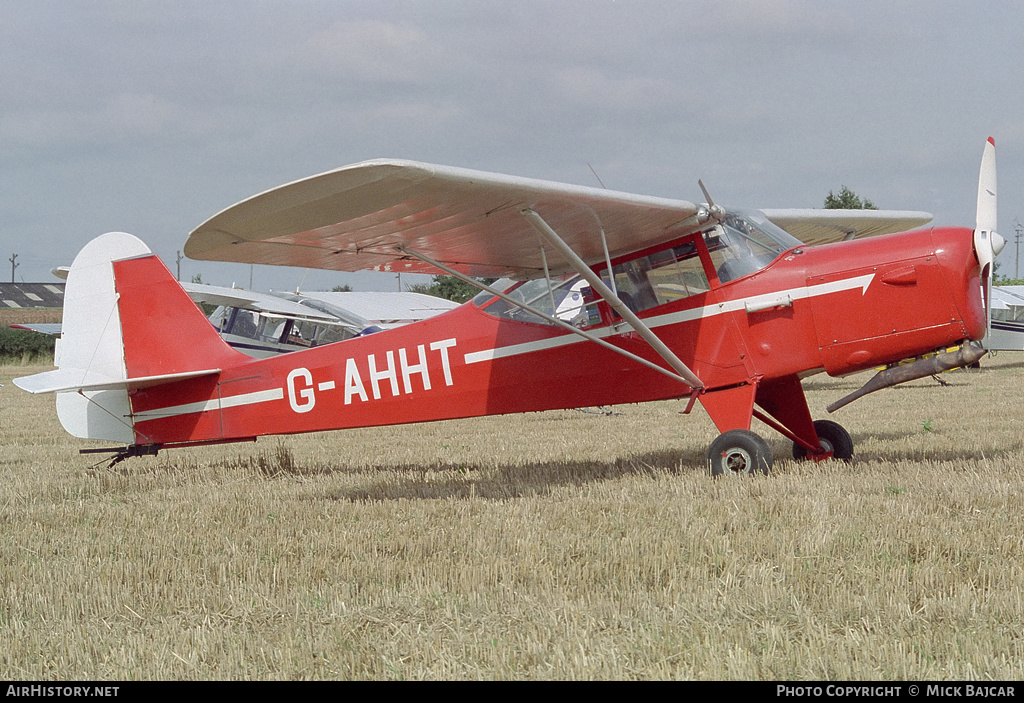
(570, 300)
(745, 242)
(662, 277)
(502, 284)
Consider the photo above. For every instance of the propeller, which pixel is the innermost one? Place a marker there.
(712, 212)
(987, 242)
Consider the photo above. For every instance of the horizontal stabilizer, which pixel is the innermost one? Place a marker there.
(65, 380)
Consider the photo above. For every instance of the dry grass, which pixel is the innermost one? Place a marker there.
(551, 545)
(24, 316)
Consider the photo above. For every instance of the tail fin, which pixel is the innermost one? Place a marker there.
(127, 324)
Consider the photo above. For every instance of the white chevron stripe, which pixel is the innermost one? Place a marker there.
(674, 318)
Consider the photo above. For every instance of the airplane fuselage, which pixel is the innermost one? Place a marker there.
(838, 308)
(612, 298)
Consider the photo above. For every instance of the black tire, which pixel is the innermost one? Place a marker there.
(833, 437)
(739, 453)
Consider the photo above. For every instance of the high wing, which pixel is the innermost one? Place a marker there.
(366, 215)
(825, 226)
(1003, 297)
(389, 308)
(251, 300)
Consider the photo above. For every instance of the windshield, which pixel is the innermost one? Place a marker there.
(745, 242)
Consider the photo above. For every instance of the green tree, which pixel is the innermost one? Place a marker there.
(450, 288)
(847, 200)
(346, 288)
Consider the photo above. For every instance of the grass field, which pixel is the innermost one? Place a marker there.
(555, 545)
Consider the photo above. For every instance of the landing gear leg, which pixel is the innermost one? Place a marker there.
(739, 453)
(834, 439)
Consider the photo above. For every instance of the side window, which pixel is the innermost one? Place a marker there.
(633, 284)
(245, 323)
(221, 318)
(677, 273)
(570, 300)
(659, 278)
(302, 333)
(307, 333)
(271, 329)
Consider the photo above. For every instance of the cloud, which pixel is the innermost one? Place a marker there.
(154, 115)
(373, 51)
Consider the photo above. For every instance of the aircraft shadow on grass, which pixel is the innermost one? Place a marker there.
(900, 452)
(518, 481)
(468, 481)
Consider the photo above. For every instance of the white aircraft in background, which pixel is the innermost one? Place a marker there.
(266, 324)
(1006, 328)
(262, 325)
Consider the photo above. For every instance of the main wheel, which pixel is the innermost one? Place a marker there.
(739, 453)
(835, 440)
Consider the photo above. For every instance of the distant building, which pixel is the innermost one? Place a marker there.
(31, 295)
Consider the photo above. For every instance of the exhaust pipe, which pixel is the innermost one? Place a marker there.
(966, 355)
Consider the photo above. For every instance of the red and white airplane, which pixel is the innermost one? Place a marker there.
(680, 300)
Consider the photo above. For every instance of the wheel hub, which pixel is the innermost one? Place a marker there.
(737, 461)
(827, 450)
(739, 453)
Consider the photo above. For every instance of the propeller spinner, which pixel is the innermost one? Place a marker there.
(713, 211)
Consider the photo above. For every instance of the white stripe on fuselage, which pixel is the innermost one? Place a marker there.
(232, 401)
(674, 318)
(671, 318)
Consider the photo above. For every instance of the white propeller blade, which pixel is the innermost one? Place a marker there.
(986, 244)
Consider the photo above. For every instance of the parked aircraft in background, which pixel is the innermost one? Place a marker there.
(679, 300)
(1006, 331)
(264, 324)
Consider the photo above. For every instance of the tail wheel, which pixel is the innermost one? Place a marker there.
(835, 440)
(739, 453)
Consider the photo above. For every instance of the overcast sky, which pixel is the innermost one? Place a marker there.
(149, 117)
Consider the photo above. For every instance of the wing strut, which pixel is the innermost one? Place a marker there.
(553, 320)
(612, 299)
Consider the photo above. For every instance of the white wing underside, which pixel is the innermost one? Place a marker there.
(363, 216)
(367, 215)
(825, 226)
(251, 300)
